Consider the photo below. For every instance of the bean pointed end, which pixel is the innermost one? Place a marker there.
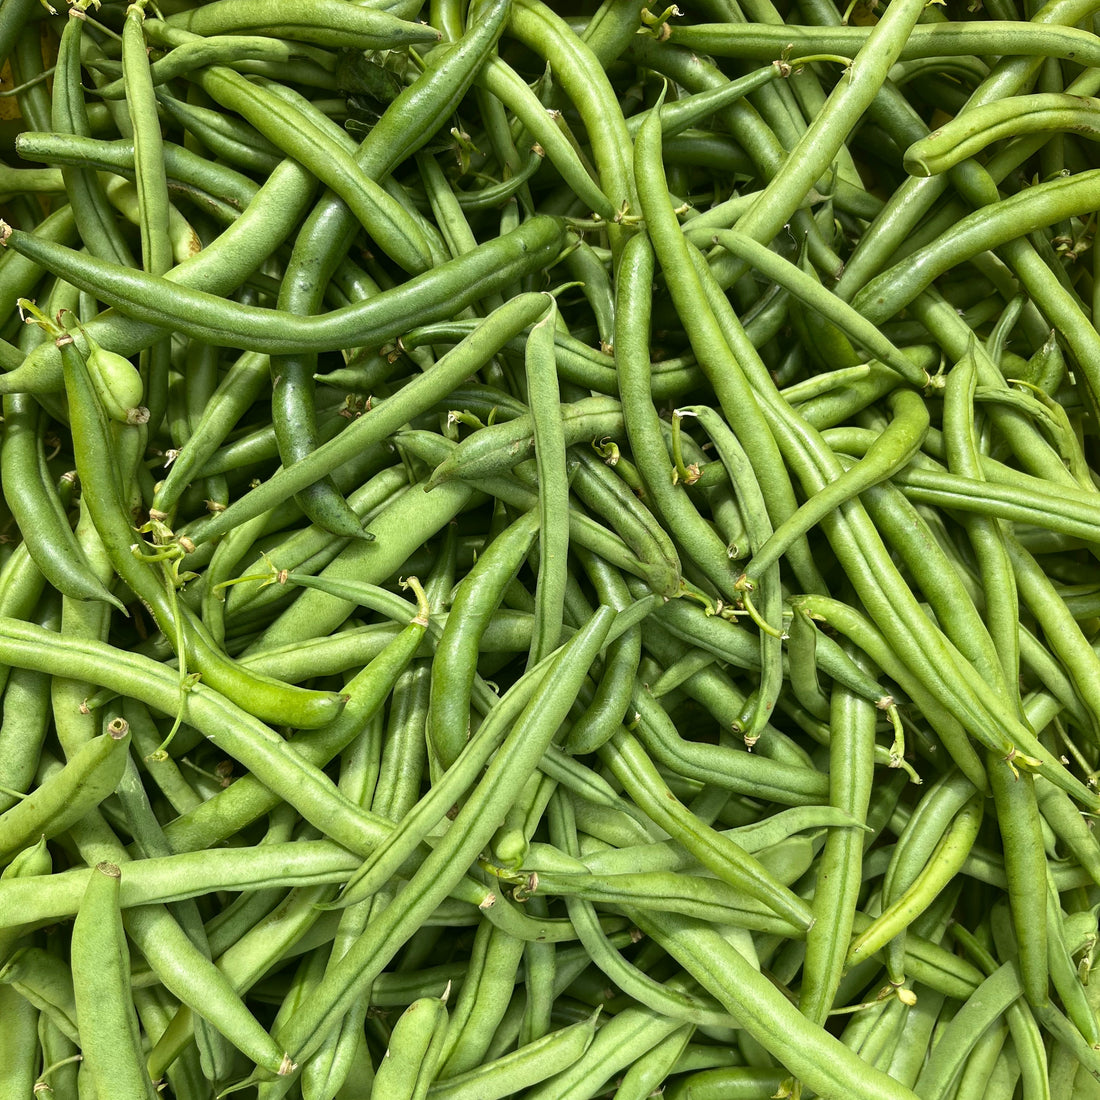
(5, 233)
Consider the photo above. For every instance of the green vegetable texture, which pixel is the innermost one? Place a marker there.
(549, 550)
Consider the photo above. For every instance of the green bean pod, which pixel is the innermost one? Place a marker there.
(436, 293)
(525, 1067)
(1025, 868)
(67, 795)
(408, 1067)
(941, 867)
(95, 461)
(455, 663)
(110, 1040)
(34, 503)
(323, 22)
(43, 979)
(1034, 208)
(972, 131)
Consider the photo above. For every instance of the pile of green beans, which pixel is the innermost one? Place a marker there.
(549, 551)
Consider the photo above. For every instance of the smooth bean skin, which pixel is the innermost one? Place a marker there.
(809, 1052)
(999, 37)
(109, 1033)
(1025, 868)
(408, 1067)
(1004, 221)
(472, 828)
(525, 1067)
(86, 780)
(375, 425)
(323, 22)
(455, 663)
(430, 296)
(1011, 117)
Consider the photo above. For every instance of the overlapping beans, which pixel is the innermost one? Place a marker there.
(549, 552)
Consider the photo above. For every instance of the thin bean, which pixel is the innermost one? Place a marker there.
(812, 1054)
(942, 866)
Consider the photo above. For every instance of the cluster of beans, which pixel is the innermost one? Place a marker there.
(549, 553)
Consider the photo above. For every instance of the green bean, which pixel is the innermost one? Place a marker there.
(492, 972)
(529, 1065)
(725, 858)
(553, 537)
(735, 769)
(242, 963)
(1012, 116)
(612, 697)
(211, 50)
(292, 405)
(25, 722)
(476, 599)
(814, 1056)
(852, 724)
(941, 867)
(317, 21)
(409, 1066)
(207, 317)
(218, 268)
(1025, 860)
(732, 1083)
(86, 780)
(1061, 509)
(46, 982)
(149, 170)
(965, 1030)
(109, 1031)
(649, 1071)
(993, 37)
(472, 827)
(632, 344)
(20, 1042)
(1035, 208)
(610, 499)
(215, 187)
(15, 17)
(69, 115)
(584, 81)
